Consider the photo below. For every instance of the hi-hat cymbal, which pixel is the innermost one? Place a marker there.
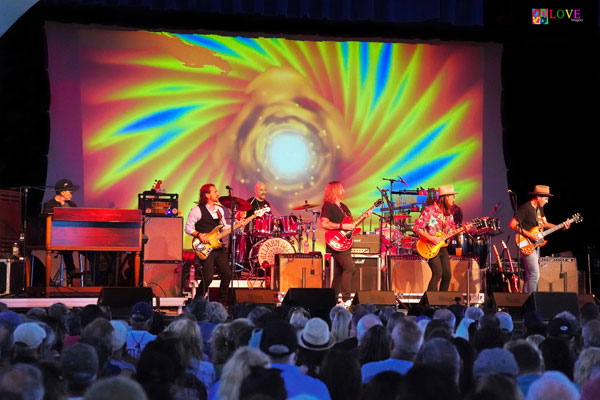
(306, 206)
(232, 201)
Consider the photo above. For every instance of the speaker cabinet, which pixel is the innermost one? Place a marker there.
(440, 298)
(377, 298)
(508, 300)
(165, 238)
(549, 304)
(163, 278)
(121, 299)
(256, 296)
(367, 275)
(558, 274)
(411, 274)
(297, 271)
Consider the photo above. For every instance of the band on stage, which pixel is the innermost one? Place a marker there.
(247, 244)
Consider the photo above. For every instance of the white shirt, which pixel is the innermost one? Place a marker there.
(195, 215)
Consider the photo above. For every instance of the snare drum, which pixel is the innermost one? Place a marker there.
(288, 225)
(262, 226)
(264, 251)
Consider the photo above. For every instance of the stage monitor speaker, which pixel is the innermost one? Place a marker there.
(558, 274)
(297, 270)
(163, 278)
(121, 299)
(318, 302)
(375, 297)
(411, 274)
(256, 296)
(440, 298)
(165, 239)
(549, 304)
(368, 273)
(511, 302)
(12, 276)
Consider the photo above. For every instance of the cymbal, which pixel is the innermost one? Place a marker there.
(306, 206)
(231, 201)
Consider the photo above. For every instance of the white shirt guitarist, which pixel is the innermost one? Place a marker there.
(529, 216)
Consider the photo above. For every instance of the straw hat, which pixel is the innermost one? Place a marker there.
(315, 335)
(542, 190)
(446, 190)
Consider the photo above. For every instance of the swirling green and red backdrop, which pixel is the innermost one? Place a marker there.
(189, 109)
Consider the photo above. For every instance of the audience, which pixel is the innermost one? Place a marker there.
(276, 353)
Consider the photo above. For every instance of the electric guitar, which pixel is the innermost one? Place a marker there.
(341, 240)
(505, 285)
(513, 286)
(528, 246)
(427, 249)
(203, 250)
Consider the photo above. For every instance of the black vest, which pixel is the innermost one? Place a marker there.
(207, 223)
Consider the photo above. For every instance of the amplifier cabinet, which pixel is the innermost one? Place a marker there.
(165, 239)
(297, 270)
(411, 274)
(163, 278)
(367, 275)
(558, 274)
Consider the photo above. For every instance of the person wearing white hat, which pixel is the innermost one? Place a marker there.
(438, 218)
(527, 217)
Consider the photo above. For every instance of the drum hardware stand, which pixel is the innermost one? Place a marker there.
(232, 214)
(314, 228)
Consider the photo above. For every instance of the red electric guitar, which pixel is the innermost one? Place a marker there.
(514, 286)
(505, 284)
(341, 240)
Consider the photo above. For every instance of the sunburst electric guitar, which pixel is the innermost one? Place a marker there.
(341, 240)
(427, 249)
(203, 250)
(528, 246)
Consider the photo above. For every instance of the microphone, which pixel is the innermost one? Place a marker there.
(381, 190)
(228, 187)
(403, 181)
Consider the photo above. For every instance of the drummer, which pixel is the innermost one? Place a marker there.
(258, 201)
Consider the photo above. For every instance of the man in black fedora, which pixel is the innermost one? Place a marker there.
(64, 189)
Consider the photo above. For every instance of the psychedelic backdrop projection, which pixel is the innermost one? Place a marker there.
(189, 109)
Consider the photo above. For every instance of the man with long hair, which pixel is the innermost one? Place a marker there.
(332, 218)
(438, 218)
(202, 219)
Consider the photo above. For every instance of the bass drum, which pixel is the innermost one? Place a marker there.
(263, 253)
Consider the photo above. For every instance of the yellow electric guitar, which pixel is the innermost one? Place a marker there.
(527, 246)
(203, 250)
(427, 249)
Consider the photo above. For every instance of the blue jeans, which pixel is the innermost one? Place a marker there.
(532, 272)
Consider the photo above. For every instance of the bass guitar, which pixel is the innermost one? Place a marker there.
(427, 249)
(513, 284)
(203, 250)
(341, 240)
(528, 246)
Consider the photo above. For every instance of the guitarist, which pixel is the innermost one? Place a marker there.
(333, 214)
(438, 218)
(202, 219)
(528, 216)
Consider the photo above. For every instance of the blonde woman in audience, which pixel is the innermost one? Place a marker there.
(587, 366)
(234, 372)
(340, 325)
(191, 338)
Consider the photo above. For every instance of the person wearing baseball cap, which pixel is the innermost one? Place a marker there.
(531, 215)
(434, 219)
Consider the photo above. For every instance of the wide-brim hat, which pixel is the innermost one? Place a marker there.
(315, 335)
(446, 190)
(541, 190)
(65, 184)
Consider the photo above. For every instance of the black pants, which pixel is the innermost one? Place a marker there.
(440, 270)
(343, 273)
(217, 260)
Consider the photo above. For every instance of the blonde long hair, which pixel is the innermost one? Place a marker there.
(238, 368)
(333, 191)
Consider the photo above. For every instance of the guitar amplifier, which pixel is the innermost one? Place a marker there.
(159, 204)
(366, 244)
(558, 274)
(297, 270)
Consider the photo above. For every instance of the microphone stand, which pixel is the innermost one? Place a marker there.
(232, 213)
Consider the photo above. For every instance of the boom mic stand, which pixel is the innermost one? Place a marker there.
(232, 213)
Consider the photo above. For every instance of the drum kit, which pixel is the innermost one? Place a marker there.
(475, 244)
(266, 236)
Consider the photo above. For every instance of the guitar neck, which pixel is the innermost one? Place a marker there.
(510, 264)
(555, 228)
(363, 215)
(237, 225)
(454, 232)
